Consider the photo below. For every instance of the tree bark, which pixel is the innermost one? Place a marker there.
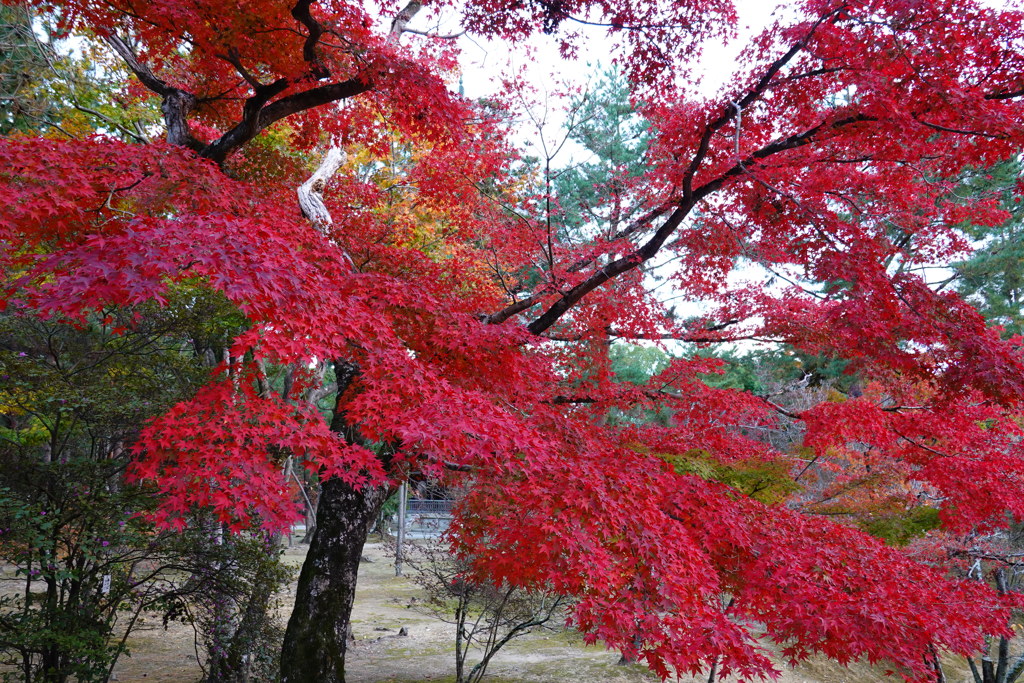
(315, 641)
(314, 644)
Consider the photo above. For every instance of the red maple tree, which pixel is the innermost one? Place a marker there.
(469, 338)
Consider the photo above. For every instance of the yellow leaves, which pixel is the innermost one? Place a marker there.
(408, 207)
(696, 462)
(18, 406)
(33, 433)
(835, 396)
(765, 481)
(361, 157)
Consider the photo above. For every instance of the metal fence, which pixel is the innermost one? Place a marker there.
(418, 506)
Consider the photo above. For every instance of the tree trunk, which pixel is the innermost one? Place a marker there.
(314, 644)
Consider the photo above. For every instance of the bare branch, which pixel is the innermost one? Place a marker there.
(428, 34)
(311, 198)
(402, 19)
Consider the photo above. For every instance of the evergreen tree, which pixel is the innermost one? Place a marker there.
(597, 196)
(993, 278)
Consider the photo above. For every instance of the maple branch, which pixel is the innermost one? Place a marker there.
(625, 232)
(613, 269)
(1013, 94)
(234, 59)
(690, 338)
(570, 400)
(141, 71)
(250, 125)
(920, 445)
(675, 517)
(810, 463)
(259, 110)
(691, 198)
(347, 373)
(455, 467)
(822, 71)
(514, 309)
(733, 109)
(946, 129)
(532, 300)
(176, 105)
(258, 114)
(795, 141)
(779, 409)
(300, 12)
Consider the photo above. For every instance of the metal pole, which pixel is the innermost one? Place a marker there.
(401, 528)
